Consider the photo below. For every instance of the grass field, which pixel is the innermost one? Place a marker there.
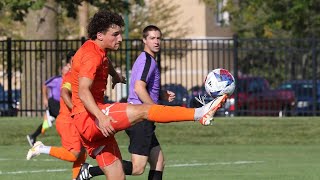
(251, 148)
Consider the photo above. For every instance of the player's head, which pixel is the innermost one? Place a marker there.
(151, 39)
(69, 57)
(105, 27)
(70, 54)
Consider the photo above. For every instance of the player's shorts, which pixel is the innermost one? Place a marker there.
(94, 141)
(70, 138)
(54, 107)
(142, 138)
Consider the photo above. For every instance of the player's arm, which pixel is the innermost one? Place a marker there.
(140, 88)
(45, 95)
(66, 95)
(116, 77)
(88, 101)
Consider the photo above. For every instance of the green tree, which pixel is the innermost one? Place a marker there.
(274, 19)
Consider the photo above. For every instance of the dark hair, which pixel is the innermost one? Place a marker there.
(70, 54)
(102, 21)
(146, 30)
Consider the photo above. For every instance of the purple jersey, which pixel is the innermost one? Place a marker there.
(54, 85)
(145, 68)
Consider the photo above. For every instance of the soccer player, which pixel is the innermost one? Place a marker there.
(144, 88)
(51, 98)
(72, 149)
(97, 122)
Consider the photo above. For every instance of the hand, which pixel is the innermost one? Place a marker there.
(118, 79)
(170, 96)
(105, 126)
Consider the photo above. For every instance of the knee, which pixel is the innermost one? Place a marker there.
(138, 169)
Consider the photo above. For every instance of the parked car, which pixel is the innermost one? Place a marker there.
(181, 95)
(255, 97)
(303, 90)
(9, 108)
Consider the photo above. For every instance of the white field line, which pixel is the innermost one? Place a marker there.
(169, 165)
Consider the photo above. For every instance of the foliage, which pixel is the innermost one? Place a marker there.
(160, 13)
(20, 8)
(275, 19)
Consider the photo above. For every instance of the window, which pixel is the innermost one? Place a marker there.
(222, 18)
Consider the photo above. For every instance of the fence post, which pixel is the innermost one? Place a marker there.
(314, 77)
(235, 70)
(9, 69)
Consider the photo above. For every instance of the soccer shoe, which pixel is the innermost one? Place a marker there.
(31, 140)
(211, 108)
(34, 151)
(84, 173)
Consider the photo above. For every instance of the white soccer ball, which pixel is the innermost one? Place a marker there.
(219, 82)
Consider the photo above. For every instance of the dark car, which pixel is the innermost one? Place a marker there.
(9, 108)
(255, 97)
(303, 90)
(181, 95)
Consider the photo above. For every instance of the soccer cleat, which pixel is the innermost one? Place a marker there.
(34, 151)
(211, 108)
(84, 173)
(31, 140)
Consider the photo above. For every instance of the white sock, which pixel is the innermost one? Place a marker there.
(44, 149)
(198, 113)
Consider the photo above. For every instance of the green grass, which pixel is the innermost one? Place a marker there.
(248, 148)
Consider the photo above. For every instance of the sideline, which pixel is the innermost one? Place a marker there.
(169, 165)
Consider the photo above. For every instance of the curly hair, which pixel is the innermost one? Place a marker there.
(102, 21)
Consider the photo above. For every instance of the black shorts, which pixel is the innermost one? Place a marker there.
(142, 138)
(54, 107)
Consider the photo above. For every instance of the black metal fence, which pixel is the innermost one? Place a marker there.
(26, 64)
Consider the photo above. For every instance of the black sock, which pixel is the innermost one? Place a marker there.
(95, 171)
(155, 175)
(37, 132)
(127, 167)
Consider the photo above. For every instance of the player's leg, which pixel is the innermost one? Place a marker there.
(141, 136)
(70, 140)
(130, 114)
(77, 164)
(33, 137)
(109, 159)
(157, 163)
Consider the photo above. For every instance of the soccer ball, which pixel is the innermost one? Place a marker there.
(219, 82)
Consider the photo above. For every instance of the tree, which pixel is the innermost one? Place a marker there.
(273, 18)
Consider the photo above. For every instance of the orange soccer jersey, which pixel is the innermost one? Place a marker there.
(89, 62)
(70, 138)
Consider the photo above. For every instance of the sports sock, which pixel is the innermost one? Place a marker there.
(166, 114)
(155, 175)
(37, 132)
(127, 167)
(77, 164)
(44, 149)
(95, 171)
(198, 113)
(63, 154)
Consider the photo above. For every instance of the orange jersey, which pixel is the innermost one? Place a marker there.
(90, 61)
(66, 83)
